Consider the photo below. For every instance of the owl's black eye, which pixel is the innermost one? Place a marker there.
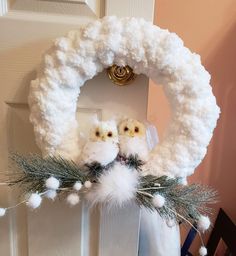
(97, 133)
(126, 129)
(109, 134)
(136, 129)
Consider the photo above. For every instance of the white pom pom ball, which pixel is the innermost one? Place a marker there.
(88, 184)
(203, 251)
(203, 223)
(170, 223)
(77, 186)
(117, 186)
(2, 212)
(34, 201)
(72, 199)
(158, 201)
(51, 194)
(52, 183)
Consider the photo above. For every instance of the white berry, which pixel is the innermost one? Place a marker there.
(51, 194)
(73, 199)
(203, 223)
(34, 201)
(203, 251)
(88, 184)
(2, 212)
(77, 186)
(52, 183)
(158, 201)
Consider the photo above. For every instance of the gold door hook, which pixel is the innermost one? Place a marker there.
(121, 75)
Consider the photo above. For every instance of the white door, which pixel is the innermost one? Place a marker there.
(26, 30)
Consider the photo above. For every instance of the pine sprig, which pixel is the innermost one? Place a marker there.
(55, 175)
(181, 202)
(95, 169)
(132, 161)
(186, 201)
(34, 170)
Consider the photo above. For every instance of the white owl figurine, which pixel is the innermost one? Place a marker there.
(102, 145)
(132, 139)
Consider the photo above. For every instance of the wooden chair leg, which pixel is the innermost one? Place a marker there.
(187, 243)
(224, 228)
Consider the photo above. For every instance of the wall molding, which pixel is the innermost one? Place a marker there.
(3, 7)
(85, 8)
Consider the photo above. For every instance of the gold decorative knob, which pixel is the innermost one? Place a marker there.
(121, 75)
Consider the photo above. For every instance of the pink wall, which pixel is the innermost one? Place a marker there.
(207, 27)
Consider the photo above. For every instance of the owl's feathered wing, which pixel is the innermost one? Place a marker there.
(99, 151)
(134, 146)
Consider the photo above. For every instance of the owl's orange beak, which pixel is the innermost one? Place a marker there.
(131, 133)
(103, 138)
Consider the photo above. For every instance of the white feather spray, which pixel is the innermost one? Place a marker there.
(116, 186)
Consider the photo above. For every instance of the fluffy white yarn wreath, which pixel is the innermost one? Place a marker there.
(149, 50)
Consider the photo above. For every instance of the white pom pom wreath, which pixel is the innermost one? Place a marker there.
(151, 51)
(203, 223)
(203, 251)
(116, 186)
(158, 201)
(2, 212)
(52, 183)
(51, 194)
(72, 199)
(77, 186)
(34, 201)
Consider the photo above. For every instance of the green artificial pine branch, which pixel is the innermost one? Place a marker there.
(188, 201)
(95, 170)
(132, 161)
(35, 170)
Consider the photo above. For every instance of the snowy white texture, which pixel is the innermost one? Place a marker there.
(2, 212)
(134, 145)
(203, 251)
(77, 186)
(116, 186)
(34, 201)
(203, 223)
(155, 52)
(158, 201)
(72, 199)
(51, 194)
(52, 183)
(103, 152)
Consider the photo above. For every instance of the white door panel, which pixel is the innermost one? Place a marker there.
(73, 11)
(56, 229)
(26, 31)
(119, 231)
